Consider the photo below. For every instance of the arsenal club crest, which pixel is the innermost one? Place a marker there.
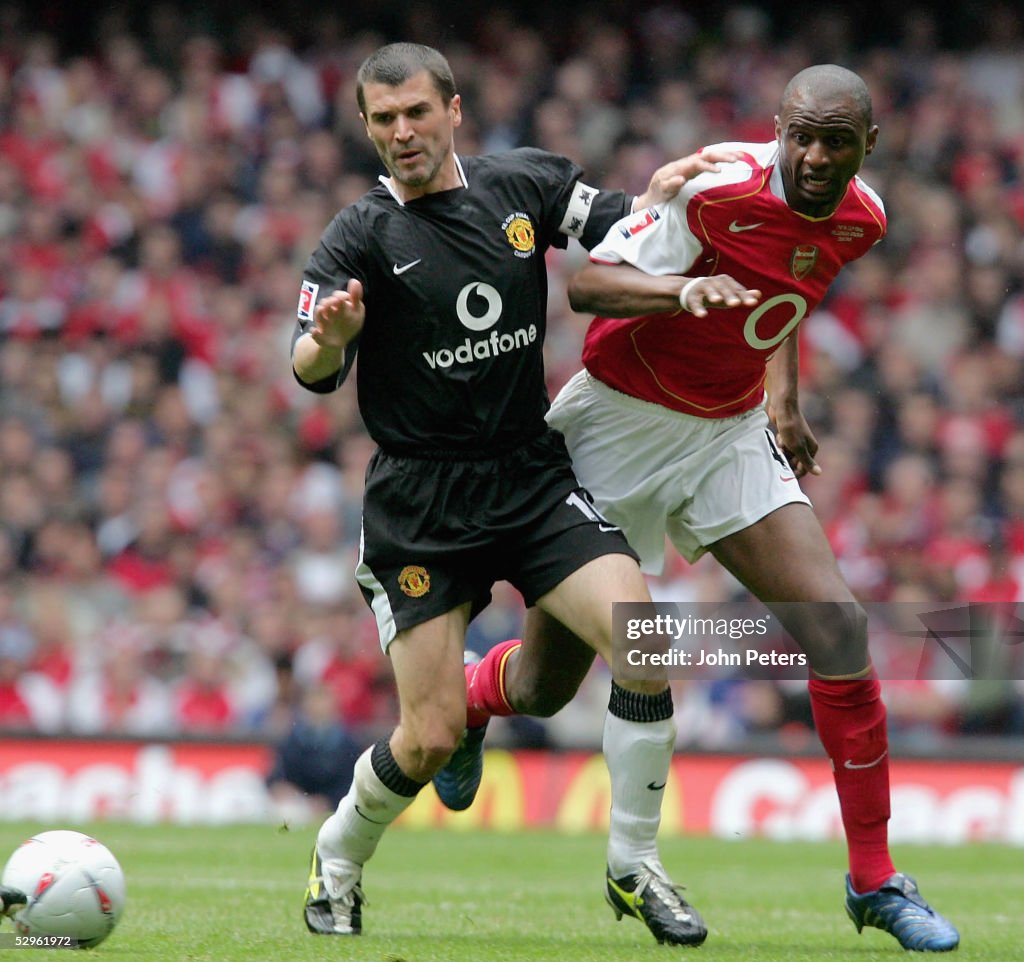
(802, 260)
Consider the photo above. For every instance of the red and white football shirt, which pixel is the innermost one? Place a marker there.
(735, 222)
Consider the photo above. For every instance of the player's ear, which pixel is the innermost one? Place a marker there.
(872, 139)
(366, 126)
(455, 110)
(778, 129)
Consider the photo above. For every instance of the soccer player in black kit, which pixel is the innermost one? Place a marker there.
(437, 278)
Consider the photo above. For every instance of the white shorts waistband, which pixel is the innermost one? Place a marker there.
(659, 410)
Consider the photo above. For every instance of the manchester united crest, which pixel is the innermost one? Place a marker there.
(518, 229)
(414, 580)
(802, 260)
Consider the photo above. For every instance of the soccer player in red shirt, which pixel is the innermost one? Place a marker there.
(698, 300)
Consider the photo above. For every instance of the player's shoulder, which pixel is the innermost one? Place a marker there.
(378, 199)
(862, 211)
(868, 197)
(753, 164)
(525, 163)
(355, 217)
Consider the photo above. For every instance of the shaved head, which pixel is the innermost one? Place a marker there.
(827, 81)
(825, 130)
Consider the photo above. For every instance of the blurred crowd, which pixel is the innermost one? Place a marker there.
(179, 521)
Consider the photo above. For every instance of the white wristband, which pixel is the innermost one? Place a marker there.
(686, 290)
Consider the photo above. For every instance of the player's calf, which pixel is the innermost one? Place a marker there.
(458, 781)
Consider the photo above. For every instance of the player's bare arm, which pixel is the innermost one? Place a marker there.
(337, 319)
(621, 290)
(794, 434)
(667, 181)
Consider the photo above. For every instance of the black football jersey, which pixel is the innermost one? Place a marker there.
(455, 287)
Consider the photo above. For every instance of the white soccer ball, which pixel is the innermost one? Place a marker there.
(74, 885)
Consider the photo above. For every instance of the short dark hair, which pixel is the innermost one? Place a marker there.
(397, 62)
(831, 80)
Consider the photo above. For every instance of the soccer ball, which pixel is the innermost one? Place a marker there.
(75, 887)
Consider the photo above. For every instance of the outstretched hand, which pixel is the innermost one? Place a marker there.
(667, 181)
(338, 317)
(719, 290)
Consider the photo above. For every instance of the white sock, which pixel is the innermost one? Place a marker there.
(638, 755)
(354, 830)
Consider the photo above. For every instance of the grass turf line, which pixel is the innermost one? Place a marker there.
(234, 894)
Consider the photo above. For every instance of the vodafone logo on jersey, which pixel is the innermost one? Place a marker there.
(489, 317)
(478, 308)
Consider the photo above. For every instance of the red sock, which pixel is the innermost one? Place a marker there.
(850, 719)
(485, 685)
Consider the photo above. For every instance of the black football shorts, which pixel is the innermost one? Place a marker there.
(438, 533)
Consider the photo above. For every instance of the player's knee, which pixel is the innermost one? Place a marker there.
(839, 643)
(430, 749)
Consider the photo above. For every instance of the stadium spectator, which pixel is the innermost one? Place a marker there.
(315, 758)
(339, 651)
(29, 700)
(202, 700)
(115, 694)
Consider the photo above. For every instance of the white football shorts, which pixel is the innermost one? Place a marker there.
(657, 472)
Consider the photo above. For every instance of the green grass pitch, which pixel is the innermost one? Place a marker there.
(234, 894)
